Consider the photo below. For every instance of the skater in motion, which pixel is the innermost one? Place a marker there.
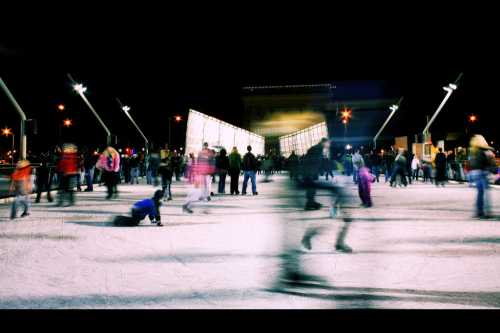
(43, 180)
(21, 186)
(482, 162)
(141, 209)
(297, 233)
(109, 164)
(364, 186)
(68, 169)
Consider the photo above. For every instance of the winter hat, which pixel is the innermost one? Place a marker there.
(478, 141)
(158, 195)
(22, 164)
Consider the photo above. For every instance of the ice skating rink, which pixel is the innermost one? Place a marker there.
(418, 247)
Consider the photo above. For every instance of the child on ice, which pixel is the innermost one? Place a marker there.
(364, 186)
(141, 209)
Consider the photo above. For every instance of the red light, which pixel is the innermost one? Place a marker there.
(472, 118)
(178, 118)
(61, 107)
(67, 122)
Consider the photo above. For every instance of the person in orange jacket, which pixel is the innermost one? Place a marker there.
(68, 169)
(21, 186)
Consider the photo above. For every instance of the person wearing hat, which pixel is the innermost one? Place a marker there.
(141, 209)
(482, 162)
(21, 186)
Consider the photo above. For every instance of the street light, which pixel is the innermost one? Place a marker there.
(450, 88)
(393, 108)
(6, 132)
(22, 135)
(126, 109)
(177, 119)
(81, 90)
(61, 107)
(472, 118)
(67, 122)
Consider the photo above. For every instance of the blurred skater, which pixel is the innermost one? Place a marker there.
(482, 163)
(21, 186)
(68, 168)
(364, 186)
(109, 164)
(43, 179)
(165, 170)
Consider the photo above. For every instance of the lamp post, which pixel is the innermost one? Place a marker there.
(80, 89)
(393, 109)
(7, 131)
(22, 141)
(126, 110)
(177, 119)
(450, 88)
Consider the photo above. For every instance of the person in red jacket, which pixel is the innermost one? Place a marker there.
(21, 186)
(68, 169)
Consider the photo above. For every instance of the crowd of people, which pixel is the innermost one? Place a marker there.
(72, 168)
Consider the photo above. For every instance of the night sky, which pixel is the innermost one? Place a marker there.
(159, 73)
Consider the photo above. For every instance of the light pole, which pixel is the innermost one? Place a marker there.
(393, 109)
(22, 141)
(80, 89)
(7, 131)
(126, 110)
(177, 119)
(450, 88)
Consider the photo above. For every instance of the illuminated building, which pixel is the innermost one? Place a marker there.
(219, 134)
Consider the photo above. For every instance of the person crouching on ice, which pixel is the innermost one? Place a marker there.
(364, 186)
(141, 209)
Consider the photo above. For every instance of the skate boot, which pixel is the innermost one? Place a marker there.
(186, 209)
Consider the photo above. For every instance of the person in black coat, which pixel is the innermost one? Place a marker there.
(440, 162)
(222, 165)
(43, 179)
(166, 172)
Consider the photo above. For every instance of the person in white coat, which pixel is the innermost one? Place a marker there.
(415, 167)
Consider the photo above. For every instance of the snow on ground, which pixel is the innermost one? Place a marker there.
(417, 248)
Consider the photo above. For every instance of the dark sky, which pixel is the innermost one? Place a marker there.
(164, 68)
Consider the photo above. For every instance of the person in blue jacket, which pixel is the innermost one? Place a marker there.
(141, 209)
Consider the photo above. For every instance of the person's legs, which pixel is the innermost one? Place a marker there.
(223, 181)
(246, 175)
(39, 188)
(403, 176)
(480, 186)
(25, 201)
(13, 210)
(254, 182)
(219, 185)
(169, 188)
(394, 172)
(376, 172)
(108, 181)
(234, 182)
